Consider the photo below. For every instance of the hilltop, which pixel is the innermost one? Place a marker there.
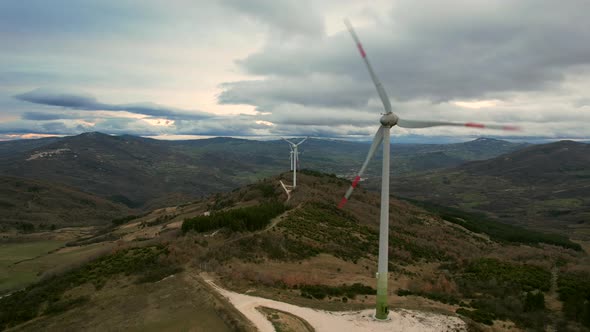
(543, 186)
(309, 253)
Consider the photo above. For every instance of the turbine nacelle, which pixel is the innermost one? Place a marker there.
(389, 120)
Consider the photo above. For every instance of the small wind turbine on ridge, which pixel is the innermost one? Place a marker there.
(294, 158)
(389, 120)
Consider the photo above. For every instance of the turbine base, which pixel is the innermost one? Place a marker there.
(382, 309)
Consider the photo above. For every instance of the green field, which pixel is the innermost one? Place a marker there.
(24, 263)
(15, 268)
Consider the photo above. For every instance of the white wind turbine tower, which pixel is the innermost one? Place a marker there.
(294, 158)
(388, 120)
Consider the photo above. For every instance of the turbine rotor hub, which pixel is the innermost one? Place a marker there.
(389, 120)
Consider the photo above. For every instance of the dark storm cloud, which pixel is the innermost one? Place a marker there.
(46, 127)
(89, 103)
(434, 51)
(214, 126)
(324, 91)
(42, 116)
(66, 17)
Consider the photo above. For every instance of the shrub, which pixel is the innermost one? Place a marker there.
(241, 219)
(321, 291)
(574, 292)
(267, 189)
(524, 277)
(439, 297)
(534, 301)
(124, 220)
(477, 315)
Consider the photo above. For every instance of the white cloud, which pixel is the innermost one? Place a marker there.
(292, 64)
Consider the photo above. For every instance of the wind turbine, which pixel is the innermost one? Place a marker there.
(388, 120)
(294, 158)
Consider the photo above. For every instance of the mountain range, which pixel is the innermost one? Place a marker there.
(147, 173)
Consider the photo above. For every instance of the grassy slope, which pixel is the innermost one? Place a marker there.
(546, 187)
(135, 288)
(28, 262)
(13, 276)
(174, 304)
(313, 243)
(45, 205)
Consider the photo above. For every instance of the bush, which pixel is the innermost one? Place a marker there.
(124, 220)
(267, 189)
(477, 315)
(240, 219)
(321, 291)
(439, 297)
(523, 277)
(507, 290)
(534, 301)
(25, 227)
(574, 292)
(158, 273)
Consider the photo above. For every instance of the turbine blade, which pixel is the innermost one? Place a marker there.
(376, 142)
(378, 85)
(303, 140)
(427, 124)
(288, 141)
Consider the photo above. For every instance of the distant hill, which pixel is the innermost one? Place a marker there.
(34, 205)
(126, 169)
(550, 163)
(148, 173)
(544, 186)
(8, 148)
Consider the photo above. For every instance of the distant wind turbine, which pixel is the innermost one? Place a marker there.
(388, 120)
(294, 158)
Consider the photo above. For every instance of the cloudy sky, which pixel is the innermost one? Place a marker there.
(185, 68)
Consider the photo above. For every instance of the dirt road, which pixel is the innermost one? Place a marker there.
(401, 319)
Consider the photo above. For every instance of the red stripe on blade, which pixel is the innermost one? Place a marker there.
(342, 202)
(363, 54)
(356, 181)
(510, 128)
(474, 125)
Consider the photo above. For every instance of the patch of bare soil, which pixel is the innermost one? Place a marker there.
(321, 320)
